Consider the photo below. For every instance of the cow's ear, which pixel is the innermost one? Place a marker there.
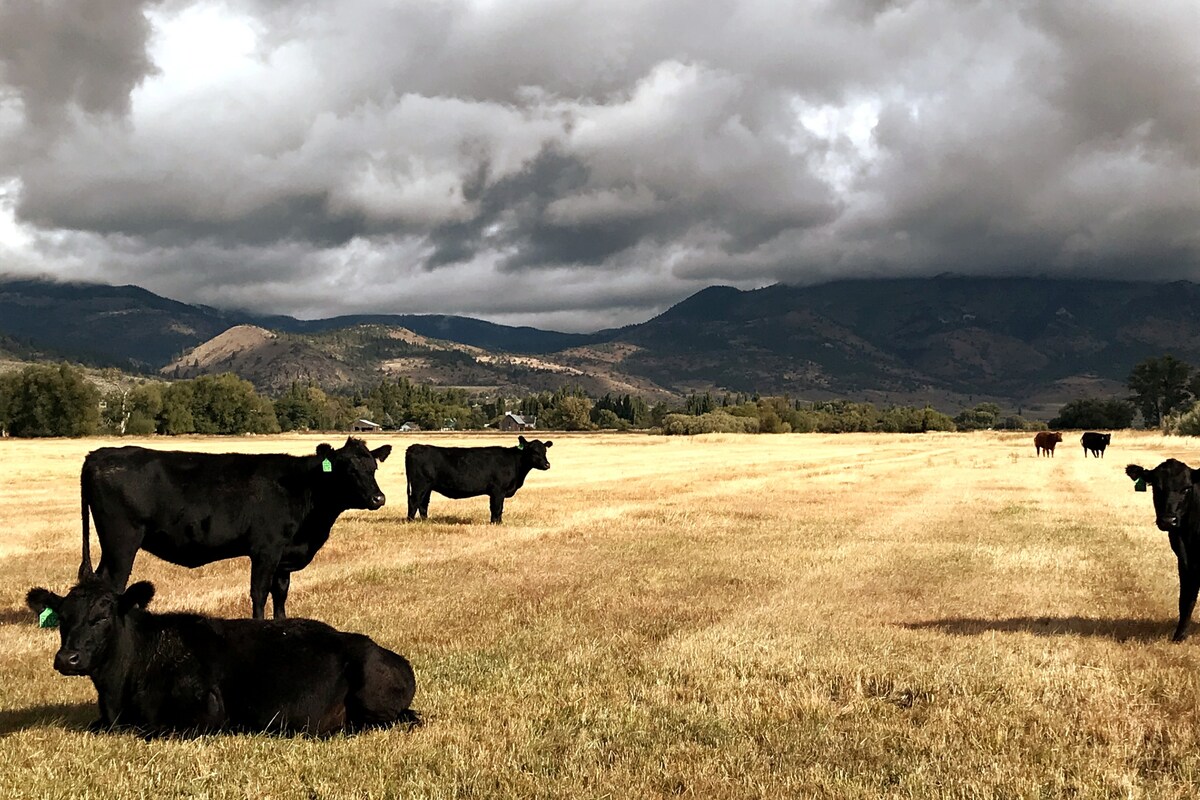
(39, 599)
(521, 441)
(137, 596)
(549, 444)
(1137, 473)
(324, 449)
(382, 453)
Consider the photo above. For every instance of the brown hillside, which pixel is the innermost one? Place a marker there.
(268, 360)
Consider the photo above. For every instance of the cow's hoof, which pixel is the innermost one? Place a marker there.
(1178, 637)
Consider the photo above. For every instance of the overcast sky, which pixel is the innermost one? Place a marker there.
(576, 165)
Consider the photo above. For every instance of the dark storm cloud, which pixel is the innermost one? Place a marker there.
(56, 54)
(318, 158)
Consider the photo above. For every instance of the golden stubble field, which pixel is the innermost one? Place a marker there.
(726, 616)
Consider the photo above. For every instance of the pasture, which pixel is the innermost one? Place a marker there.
(938, 615)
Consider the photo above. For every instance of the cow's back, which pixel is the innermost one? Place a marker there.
(187, 508)
(282, 674)
(165, 477)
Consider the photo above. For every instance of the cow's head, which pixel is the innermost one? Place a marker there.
(91, 618)
(1174, 487)
(1107, 439)
(1056, 436)
(534, 453)
(350, 472)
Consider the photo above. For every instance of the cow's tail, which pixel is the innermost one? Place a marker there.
(85, 563)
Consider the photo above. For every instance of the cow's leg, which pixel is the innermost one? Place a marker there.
(413, 503)
(1189, 584)
(262, 574)
(117, 551)
(497, 504)
(279, 593)
(423, 503)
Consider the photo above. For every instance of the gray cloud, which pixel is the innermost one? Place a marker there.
(608, 159)
(56, 55)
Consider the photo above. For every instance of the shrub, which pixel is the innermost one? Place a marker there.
(710, 422)
(1185, 424)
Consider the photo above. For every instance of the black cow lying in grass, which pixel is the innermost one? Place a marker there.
(1177, 513)
(459, 472)
(158, 673)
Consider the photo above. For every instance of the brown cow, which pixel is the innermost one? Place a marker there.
(1045, 441)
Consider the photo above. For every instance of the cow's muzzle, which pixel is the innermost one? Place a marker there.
(376, 502)
(69, 662)
(1167, 524)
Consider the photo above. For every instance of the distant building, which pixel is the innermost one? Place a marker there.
(517, 422)
(410, 426)
(364, 426)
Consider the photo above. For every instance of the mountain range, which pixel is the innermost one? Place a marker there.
(1029, 343)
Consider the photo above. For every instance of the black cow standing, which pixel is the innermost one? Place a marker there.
(186, 672)
(1177, 513)
(459, 472)
(195, 508)
(1095, 443)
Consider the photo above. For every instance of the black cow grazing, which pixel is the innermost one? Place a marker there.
(1177, 513)
(459, 472)
(187, 672)
(1095, 443)
(196, 508)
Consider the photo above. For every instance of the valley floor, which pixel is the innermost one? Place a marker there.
(940, 615)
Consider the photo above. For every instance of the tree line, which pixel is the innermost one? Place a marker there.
(58, 400)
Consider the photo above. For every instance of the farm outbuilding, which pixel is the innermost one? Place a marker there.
(517, 422)
(364, 426)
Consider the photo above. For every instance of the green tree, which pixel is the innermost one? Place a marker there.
(1110, 413)
(607, 419)
(1159, 386)
(176, 418)
(51, 401)
(568, 412)
(981, 417)
(227, 404)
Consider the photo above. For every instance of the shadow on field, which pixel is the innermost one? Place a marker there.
(71, 716)
(452, 519)
(17, 616)
(1121, 630)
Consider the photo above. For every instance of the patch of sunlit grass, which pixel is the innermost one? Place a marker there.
(722, 616)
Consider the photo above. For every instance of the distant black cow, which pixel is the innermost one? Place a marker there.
(196, 508)
(1095, 443)
(187, 672)
(1177, 513)
(459, 472)
(1044, 441)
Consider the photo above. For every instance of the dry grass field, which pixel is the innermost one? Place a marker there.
(725, 616)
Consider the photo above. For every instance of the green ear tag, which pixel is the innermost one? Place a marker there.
(520, 446)
(327, 466)
(1139, 485)
(47, 619)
